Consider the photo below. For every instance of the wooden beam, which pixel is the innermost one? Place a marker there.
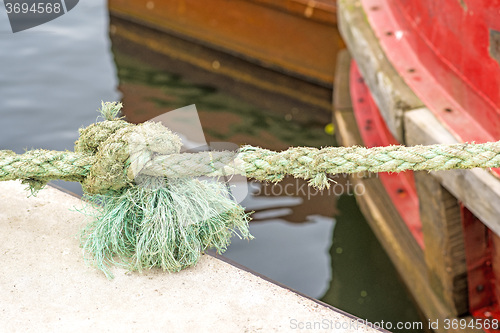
(444, 243)
(477, 189)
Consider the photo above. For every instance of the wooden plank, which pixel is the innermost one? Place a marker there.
(389, 91)
(477, 189)
(317, 10)
(444, 242)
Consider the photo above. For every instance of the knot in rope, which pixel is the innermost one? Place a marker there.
(120, 150)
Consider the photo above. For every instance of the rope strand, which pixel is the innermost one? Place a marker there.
(262, 164)
(45, 164)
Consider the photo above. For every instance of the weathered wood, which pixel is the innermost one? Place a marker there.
(387, 224)
(477, 189)
(385, 221)
(444, 242)
(395, 237)
(388, 89)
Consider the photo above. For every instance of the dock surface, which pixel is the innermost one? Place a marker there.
(46, 285)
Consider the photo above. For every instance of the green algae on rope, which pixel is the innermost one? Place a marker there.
(150, 211)
(165, 224)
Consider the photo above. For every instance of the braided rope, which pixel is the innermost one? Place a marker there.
(314, 164)
(261, 164)
(37, 167)
(110, 155)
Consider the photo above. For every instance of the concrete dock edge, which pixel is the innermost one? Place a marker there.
(47, 287)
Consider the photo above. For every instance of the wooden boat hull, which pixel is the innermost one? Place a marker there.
(451, 263)
(296, 37)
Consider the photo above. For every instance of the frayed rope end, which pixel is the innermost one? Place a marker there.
(166, 227)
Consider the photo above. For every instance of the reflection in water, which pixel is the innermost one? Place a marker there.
(149, 92)
(295, 254)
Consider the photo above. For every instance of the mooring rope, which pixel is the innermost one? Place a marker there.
(314, 163)
(152, 212)
(105, 166)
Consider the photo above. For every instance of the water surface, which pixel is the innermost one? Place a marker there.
(53, 78)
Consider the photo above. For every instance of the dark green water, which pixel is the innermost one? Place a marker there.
(364, 281)
(53, 80)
